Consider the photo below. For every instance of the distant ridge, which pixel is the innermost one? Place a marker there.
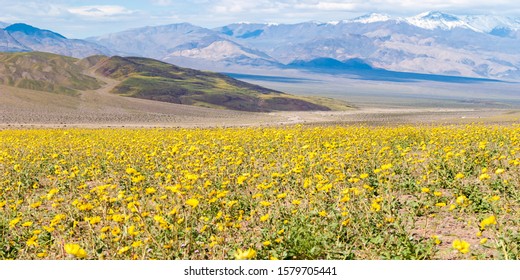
(24, 37)
(32, 31)
(358, 69)
(331, 63)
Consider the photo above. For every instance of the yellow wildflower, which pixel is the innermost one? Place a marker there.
(462, 199)
(33, 241)
(36, 204)
(75, 250)
(13, 222)
(117, 218)
(282, 195)
(437, 240)
(265, 203)
(376, 207)
(461, 245)
(192, 202)
(94, 220)
(123, 250)
(245, 255)
(264, 218)
(491, 220)
(499, 171)
(131, 231)
(386, 166)
(150, 190)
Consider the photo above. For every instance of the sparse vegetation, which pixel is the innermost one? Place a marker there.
(146, 79)
(155, 80)
(45, 72)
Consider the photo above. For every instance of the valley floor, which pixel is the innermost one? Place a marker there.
(100, 108)
(144, 113)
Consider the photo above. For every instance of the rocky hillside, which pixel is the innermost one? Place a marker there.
(145, 79)
(45, 72)
(152, 79)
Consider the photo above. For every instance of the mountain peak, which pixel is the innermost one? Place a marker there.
(372, 17)
(438, 20)
(439, 16)
(31, 30)
(487, 23)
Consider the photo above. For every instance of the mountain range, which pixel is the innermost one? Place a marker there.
(429, 43)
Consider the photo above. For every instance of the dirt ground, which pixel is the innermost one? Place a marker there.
(172, 115)
(100, 108)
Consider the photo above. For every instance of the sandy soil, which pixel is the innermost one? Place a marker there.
(386, 116)
(100, 108)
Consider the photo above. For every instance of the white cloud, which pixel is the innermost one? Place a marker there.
(362, 6)
(250, 7)
(328, 6)
(13, 9)
(336, 6)
(100, 11)
(162, 2)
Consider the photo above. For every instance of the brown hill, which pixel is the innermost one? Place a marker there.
(152, 79)
(45, 72)
(145, 79)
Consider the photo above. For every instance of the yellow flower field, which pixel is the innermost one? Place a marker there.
(441, 192)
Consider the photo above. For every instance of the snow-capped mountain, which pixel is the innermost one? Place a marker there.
(371, 18)
(495, 25)
(477, 23)
(432, 42)
(434, 20)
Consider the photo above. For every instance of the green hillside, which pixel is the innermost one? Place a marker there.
(152, 79)
(147, 79)
(45, 72)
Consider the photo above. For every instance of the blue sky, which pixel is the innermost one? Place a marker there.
(80, 19)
